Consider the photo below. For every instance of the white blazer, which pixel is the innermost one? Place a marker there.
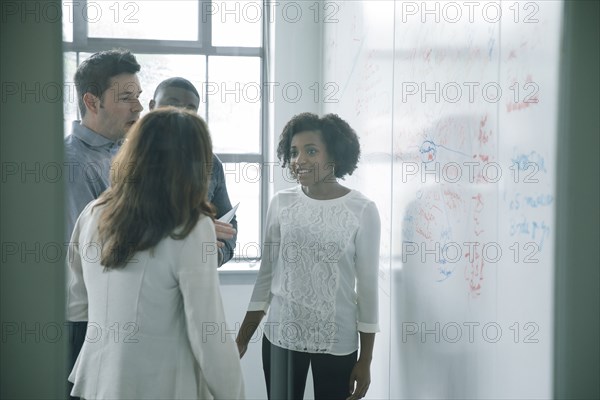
(156, 328)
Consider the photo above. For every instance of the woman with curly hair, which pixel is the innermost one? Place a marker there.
(319, 269)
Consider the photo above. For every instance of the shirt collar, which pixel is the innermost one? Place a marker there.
(90, 137)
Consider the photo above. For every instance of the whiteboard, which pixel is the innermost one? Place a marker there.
(456, 107)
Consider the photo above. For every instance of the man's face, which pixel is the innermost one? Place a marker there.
(119, 107)
(176, 97)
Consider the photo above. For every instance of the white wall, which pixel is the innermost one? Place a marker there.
(236, 289)
(296, 68)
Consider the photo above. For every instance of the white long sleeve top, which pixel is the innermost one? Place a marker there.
(156, 327)
(318, 276)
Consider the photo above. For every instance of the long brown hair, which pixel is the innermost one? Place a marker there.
(159, 184)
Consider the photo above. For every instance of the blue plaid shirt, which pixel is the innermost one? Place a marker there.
(87, 169)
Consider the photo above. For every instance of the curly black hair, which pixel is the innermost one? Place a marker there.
(340, 140)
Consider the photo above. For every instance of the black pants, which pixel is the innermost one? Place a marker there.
(286, 372)
(77, 331)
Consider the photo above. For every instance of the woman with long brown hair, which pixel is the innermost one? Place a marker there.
(143, 272)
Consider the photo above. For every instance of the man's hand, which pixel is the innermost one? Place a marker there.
(224, 231)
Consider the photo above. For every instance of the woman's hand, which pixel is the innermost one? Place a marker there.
(249, 325)
(361, 375)
(360, 378)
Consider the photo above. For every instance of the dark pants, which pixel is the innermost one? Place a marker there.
(77, 331)
(286, 372)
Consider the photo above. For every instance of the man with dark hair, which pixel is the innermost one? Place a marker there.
(181, 93)
(108, 91)
(176, 92)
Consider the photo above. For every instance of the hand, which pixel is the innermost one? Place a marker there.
(224, 231)
(249, 326)
(361, 374)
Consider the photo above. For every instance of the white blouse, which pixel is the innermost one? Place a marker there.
(156, 327)
(319, 272)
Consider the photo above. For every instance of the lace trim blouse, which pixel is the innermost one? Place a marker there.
(319, 272)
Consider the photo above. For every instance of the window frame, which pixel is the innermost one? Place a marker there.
(82, 43)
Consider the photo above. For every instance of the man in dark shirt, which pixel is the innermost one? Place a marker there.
(181, 93)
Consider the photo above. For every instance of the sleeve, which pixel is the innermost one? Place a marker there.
(83, 184)
(261, 295)
(221, 201)
(77, 300)
(75, 202)
(211, 343)
(367, 269)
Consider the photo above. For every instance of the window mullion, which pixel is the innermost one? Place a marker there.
(205, 33)
(80, 25)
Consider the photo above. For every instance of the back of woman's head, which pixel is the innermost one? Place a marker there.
(159, 184)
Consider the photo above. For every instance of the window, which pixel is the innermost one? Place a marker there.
(219, 47)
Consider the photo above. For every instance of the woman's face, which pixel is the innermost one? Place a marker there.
(310, 162)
